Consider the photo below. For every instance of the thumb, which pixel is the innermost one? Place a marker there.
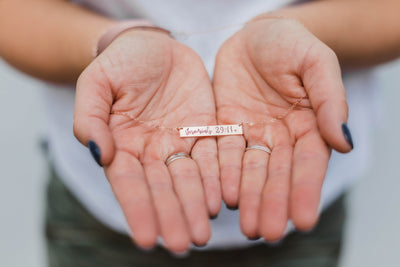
(322, 81)
(93, 103)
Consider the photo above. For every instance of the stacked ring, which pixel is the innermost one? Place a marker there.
(258, 147)
(182, 155)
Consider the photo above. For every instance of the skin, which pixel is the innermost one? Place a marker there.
(156, 199)
(272, 70)
(361, 33)
(258, 79)
(63, 43)
(56, 47)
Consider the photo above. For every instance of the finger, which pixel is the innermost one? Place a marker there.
(310, 162)
(323, 82)
(128, 182)
(275, 195)
(230, 154)
(187, 183)
(93, 103)
(171, 220)
(204, 152)
(254, 175)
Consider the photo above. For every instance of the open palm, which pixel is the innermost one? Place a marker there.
(268, 68)
(130, 101)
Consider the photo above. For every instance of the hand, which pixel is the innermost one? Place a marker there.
(154, 81)
(261, 72)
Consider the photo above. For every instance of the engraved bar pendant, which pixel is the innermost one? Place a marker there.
(214, 130)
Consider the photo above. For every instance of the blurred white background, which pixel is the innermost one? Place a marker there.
(372, 232)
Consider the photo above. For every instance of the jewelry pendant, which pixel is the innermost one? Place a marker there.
(214, 130)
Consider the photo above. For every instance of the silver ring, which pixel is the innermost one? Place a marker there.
(182, 155)
(258, 147)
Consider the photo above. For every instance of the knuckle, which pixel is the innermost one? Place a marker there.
(188, 173)
(254, 164)
(230, 168)
(160, 186)
(280, 170)
(228, 144)
(250, 195)
(308, 156)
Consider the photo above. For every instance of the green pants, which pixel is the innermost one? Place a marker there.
(76, 239)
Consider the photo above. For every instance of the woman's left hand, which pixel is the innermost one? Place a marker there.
(261, 72)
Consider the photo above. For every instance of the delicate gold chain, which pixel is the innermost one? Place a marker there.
(177, 128)
(216, 29)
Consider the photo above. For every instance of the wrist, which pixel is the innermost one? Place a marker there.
(119, 28)
(312, 16)
(273, 17)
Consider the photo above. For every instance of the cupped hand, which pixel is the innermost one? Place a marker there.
(129, 102)
(266, 69)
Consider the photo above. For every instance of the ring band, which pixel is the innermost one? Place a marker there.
(258, 147)
(182, 155)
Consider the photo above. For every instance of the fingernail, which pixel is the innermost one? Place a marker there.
(308, 231)
(254, 238)
(180, 255)
(95, 151)
(200, 246)
(231, 207)
(213, 217)
(276, 242)
(347, 135)
(145, 250)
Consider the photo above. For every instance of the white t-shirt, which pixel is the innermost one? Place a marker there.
(86, 180)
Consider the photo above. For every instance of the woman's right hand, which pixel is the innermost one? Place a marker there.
(150, 77)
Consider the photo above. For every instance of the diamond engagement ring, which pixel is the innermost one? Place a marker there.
(176, 156)
(263, 148)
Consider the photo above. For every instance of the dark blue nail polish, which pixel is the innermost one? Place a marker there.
(95, 151)
(347, 135)
(231, 207)
(200, 246)
(213, 217)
